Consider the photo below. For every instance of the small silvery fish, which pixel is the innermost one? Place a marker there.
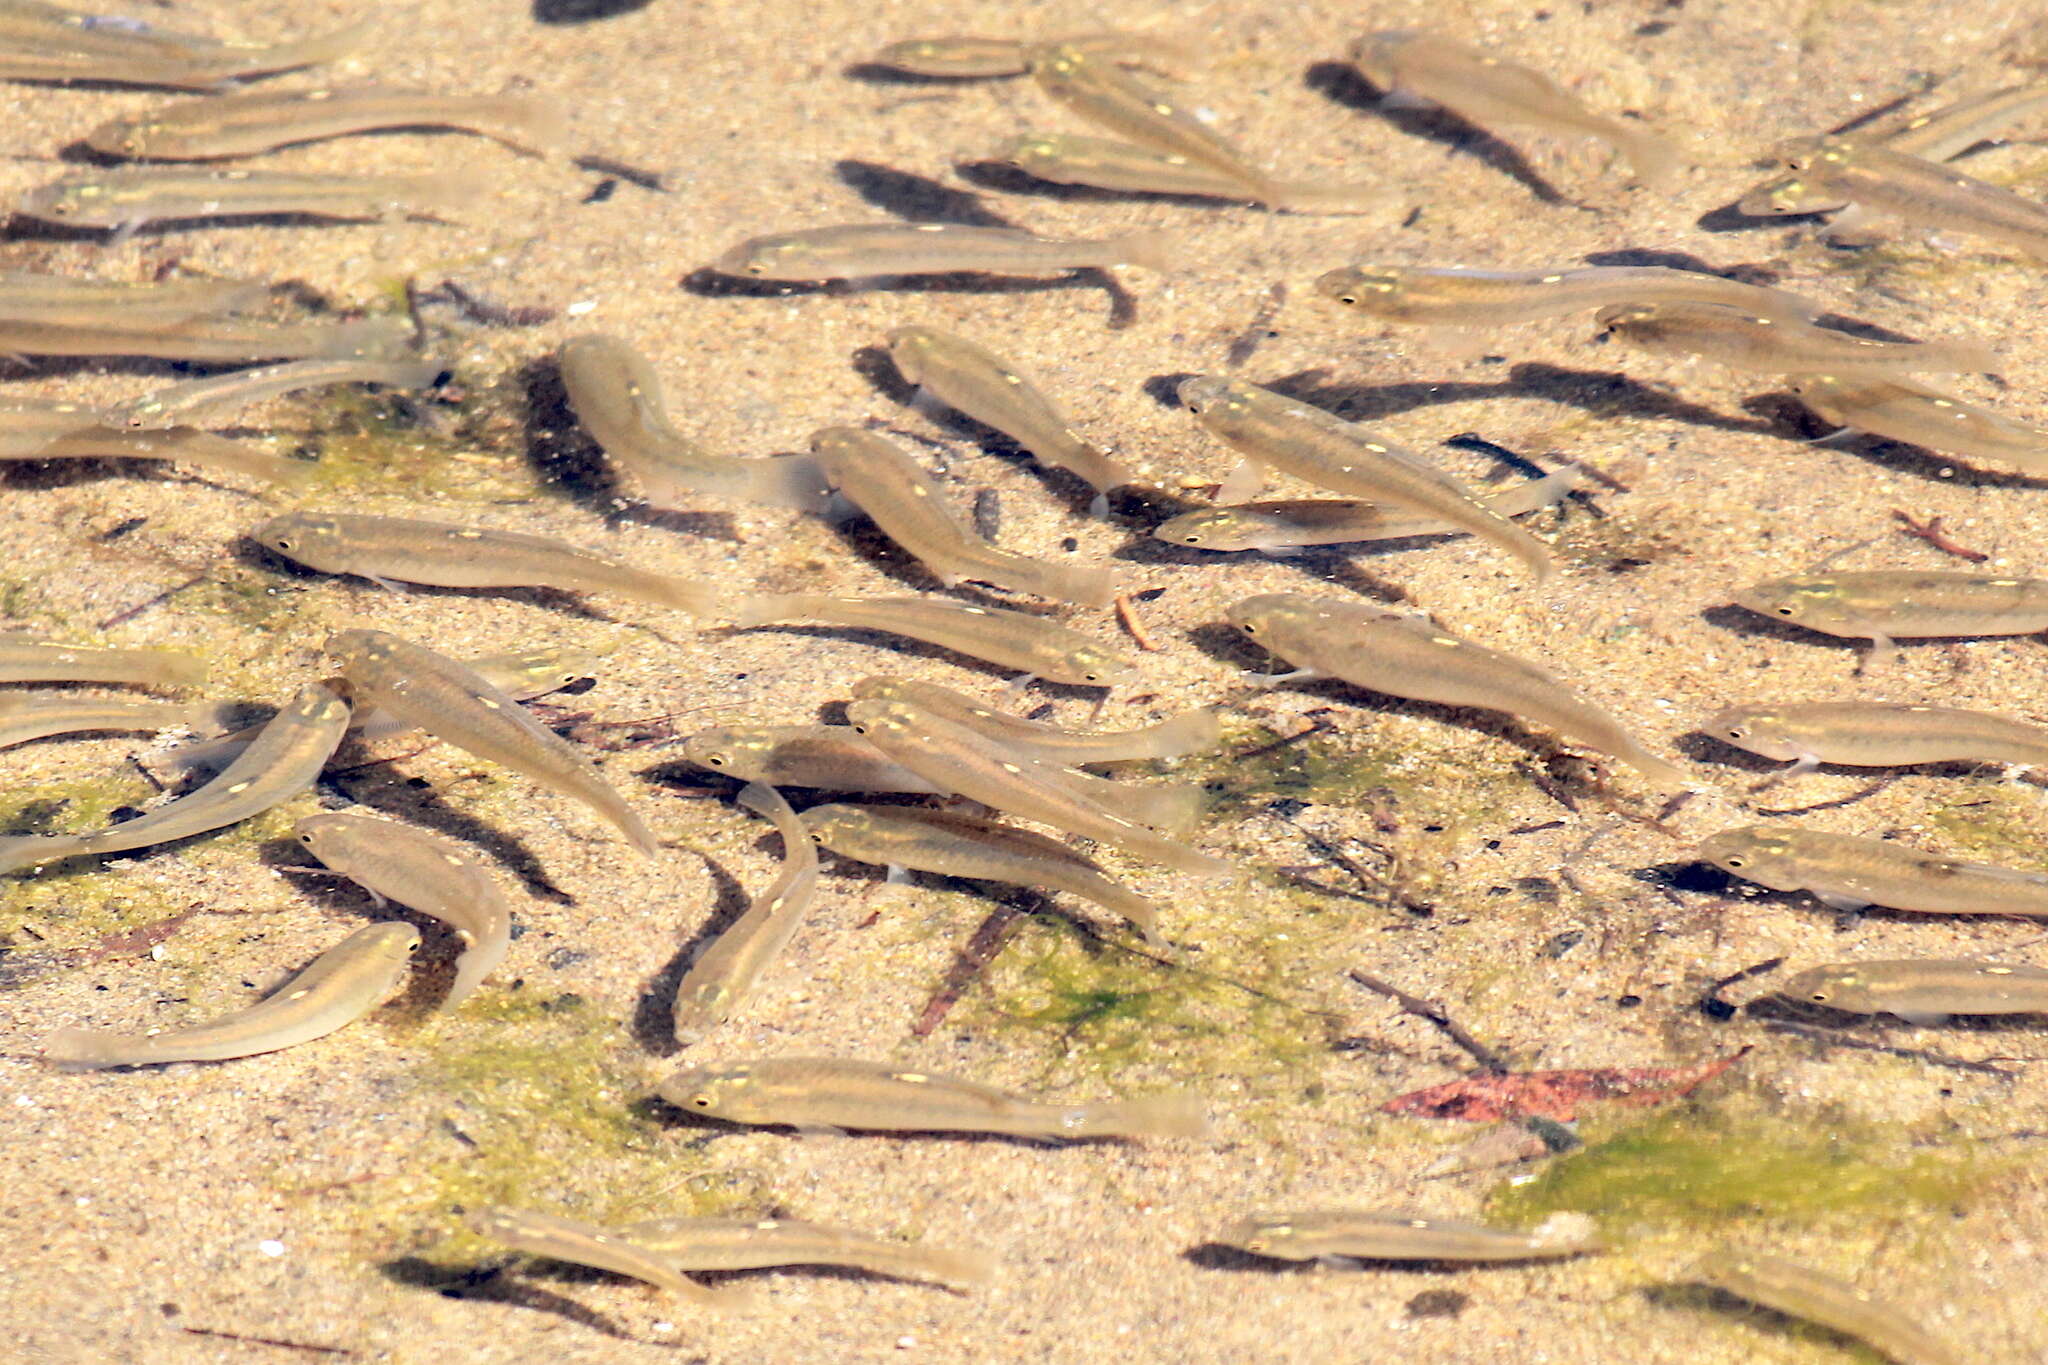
(60, 45)
(963, 375)
(579, 1243)
(966, 57)
(244, 387)
(1919, 989)
(1284, 526)
(1114, 100)
(126, 199)
(1490, 92)
(809, 1092)
(1034, 646)
(418, 686)
(449, 556)
(1407, 656)
(204, 338)
(962, 760)
(908, 506)
(243, 125)
(1103, 164)
(1876, 734)
(1918, 415)
(40, 661)
(341, 986)
(863, 250)
(425, 872)
(1846, 872)
(1883, 605)
(962, 846)
(282, 761)
(57, 298)
(830, 757)
(28, 715)
(1190, 732)
(616, 396)
(1310, 1235)
(1834, 1304)
(1457, 297)
(1922, 193)
(1743, 340)
(1271, 430)
(725, 971)
(756, 1243)
(176, 445)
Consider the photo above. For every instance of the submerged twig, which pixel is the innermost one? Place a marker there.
(973, 959)
(1424, 1009)
(1931, 532)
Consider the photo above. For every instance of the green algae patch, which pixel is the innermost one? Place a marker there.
(1995, 821)
(470, 452)
(1694, 1167)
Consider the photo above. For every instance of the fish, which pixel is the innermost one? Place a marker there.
(964, 761)
(722, 975)
(1922, 193)
(1310, 1235)
(1882, 605)
(425, 872)
(339, 987)
(448, 555)
(1875, 734)
(755, 1243)
(418, 686)
(909, 507)
(62, 45)
(76, 302)
(811, 1092)
(1408, 656)
(23, 660)
(246, 124)
(967, 57)
(1112, 99)
(1104, 164)
(831, 757)
(282, 761)
(1271, 430)
(1835, 1304)
(861, 250)
(126, 198)
(1189, 732)
(175, 445)
(244, 387)
(579, 1243)
(1918, 415)
(25, 716)
(1458, 297)
(27, 424)
(1920, 989)
(205, 338)
(964, 375)
(615, 394)
(954, 845)
(1743, 340)
(1012, 639)
(1490, 91)
(1283, 526)
(1848, 872)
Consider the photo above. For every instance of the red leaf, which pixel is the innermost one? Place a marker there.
(1553, 1094)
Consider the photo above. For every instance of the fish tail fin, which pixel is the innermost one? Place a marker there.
(692, 595)
(1172, 810)
(1654, 157)
(1151, 249)
(1087, 586)
(75, 1049)
(252, 59)
(1963, 357)
(1173, 1113)
(539, 126)
(634, 828)
(1190, 732)
(957, 1269)
(182, 670)
(465, 187)
(378, 338)
(1655, 769)
(760, 608)
(20, 851)
(787, 481)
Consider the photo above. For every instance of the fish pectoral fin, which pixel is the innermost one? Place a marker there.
(897, 875)
(1098, 507)
(1276, 679)
(1882, 651)
(1805, 763)
(1242, 482)
(1923, 1018)
(818, 1132)
(1406, 99)
(1838, 434)
(1836, 900)
(388, 584)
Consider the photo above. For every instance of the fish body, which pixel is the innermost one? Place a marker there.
(61, 299)
(1492, 92)
(1285, 525)
(1888, 604)
(1868, 734)
(1189, 732)
(754, 1243)
(176, 445)
(38, 661)
(1013, 639)
(1917, 191)
(1407, 656)
(878, 1097)
(244, 387)
(863, 250)
(246, 124)
(1310, 1235)
(452, 556)
(1743, 340)
(1271, 430)
(203, 338)
(1922, 416)
(580, 1243)
(1847, 872)
(829, 757)
(1835, 1304)
(50, 44)
(418, 686)
(341, 986)
(426, 872)
(126, 198)
(723, 974)
(617, 397)
(1919, 988)
(966, 376)
(25, 716)
(1456, 297)
(1106, 164)
(963, 57)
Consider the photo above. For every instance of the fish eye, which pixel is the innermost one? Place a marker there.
(1347, 298)
(859, 729)
(282, 543)
(1819, 997)
(756, 267)
(305, 838)
(1734, 860)
(715, 760)
(700, 1101)
(1788, 610)
(1736, 732)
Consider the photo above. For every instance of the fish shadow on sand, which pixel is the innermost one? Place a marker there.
(583, 11)
(654, 1016)
(490, 1284)
(1762, 276)
(1341, 83)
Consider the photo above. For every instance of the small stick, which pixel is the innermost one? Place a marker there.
(1423, 1009)
(1931, 532)
(1314, 726)
(130, 613)
(1869, 791)
(1128, 614)
(971, 961)
(278, 1342)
